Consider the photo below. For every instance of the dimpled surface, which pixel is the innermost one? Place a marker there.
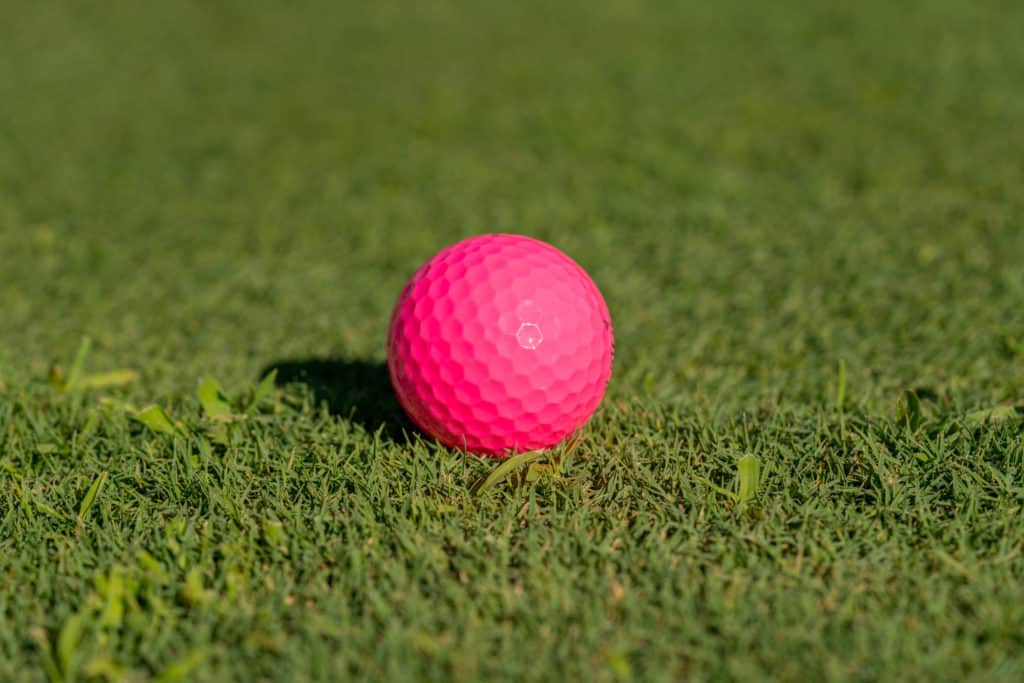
(500, 343)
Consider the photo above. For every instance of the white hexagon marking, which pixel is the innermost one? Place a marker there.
(529, 336)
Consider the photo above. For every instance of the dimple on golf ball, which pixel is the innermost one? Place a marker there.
(500, 344)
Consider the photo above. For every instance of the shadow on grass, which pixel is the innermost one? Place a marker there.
(355, 389)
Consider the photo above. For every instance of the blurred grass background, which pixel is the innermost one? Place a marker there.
(210, 185)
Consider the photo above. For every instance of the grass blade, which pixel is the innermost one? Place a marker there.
(977, 418)
(717, 489)
(841, 386)
(105, 380)
(50, 667)
(156, 419)
(262, 390)
(19, 491)
(182, 669)
(48, 510)
(750, 477)
(75, 376)
(504, 470)
(913, 415)
(275, 534)
(68, 640)
(193, 592)
(90, 495)
(106, 669)
(211, 396)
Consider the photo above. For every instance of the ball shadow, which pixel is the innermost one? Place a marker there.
(357, 390)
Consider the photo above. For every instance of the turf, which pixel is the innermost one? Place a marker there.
(808, 224)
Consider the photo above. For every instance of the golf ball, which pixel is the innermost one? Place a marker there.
(500, 344)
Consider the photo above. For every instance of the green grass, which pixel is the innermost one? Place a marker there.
(809, 226)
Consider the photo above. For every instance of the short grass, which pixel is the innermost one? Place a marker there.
(807, 220)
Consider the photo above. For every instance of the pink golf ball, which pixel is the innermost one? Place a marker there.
(500, 343)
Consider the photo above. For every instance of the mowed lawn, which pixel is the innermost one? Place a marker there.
(808, 222)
